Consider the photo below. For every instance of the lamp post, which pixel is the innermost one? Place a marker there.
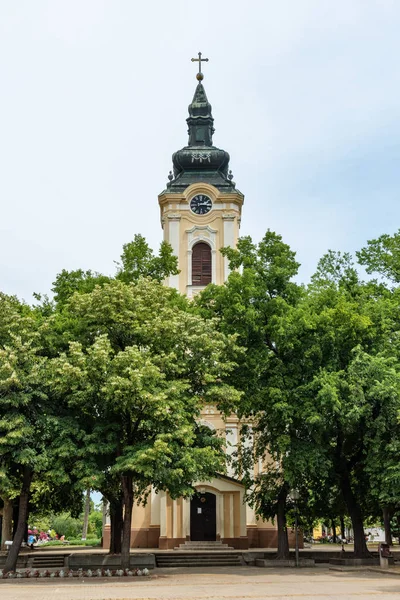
(295, 495)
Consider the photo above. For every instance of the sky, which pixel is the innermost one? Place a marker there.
(93, 102)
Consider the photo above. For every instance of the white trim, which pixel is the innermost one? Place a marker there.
(229, 231)
(242, 508)
(186, 517)
(206, 424)
(192, 240)
(206, 227)
(231, 436)
(155, 508)
(221, 516)
(174, 227)
(174, 519)
(163, 514)
(231, 516)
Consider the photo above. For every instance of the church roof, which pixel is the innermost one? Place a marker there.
(200, 160)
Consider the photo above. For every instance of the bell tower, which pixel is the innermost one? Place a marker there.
(200, 207)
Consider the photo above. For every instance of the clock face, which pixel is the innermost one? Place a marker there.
(201, 204)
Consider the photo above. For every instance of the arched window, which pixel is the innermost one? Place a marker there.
(201, 264)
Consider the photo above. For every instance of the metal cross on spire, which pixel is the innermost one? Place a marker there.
(199, 75)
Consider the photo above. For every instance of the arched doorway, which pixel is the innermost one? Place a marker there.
(201, 264)
(203, 517)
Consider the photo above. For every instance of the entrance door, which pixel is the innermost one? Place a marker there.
(203, 518)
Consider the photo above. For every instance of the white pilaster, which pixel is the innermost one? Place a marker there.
(243, 527)
(189, 271)
(155, 508)
(214, 267)
(221, 516)
(163, 514)
(229, 239)
(231, 447)
(174, 519)
(250, 515)
(231, 516)
(174, 224)
(185, 517)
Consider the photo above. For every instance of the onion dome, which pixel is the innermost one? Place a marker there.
(200, 160)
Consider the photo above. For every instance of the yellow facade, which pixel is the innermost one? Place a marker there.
(183, 229)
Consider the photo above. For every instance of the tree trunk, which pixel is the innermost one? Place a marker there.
(342, 528)
(333, 525)
(6, 528)
(360, 545)
(127, 487)
(386, 522)
(12, 556)
(86, 515)
(116, 521)
(283, 543)
(15, 516)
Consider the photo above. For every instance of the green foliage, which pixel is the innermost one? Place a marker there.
(95, 524)
(34, 432)
(139, 380)
(382, 256)
(68, 283)
(92, 542)
(64, 524)
(319, 376)
(138, 260)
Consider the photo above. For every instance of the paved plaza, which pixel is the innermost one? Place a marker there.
(215, 584)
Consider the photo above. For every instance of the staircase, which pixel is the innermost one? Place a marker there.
(201, 546)
(200, 554)
(51, 561)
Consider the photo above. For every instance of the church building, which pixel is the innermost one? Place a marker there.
(201, 210)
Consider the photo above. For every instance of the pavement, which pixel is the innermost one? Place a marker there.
(217, 583)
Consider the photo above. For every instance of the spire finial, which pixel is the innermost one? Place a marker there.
(199, 75)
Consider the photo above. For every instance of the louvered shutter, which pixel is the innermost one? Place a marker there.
(201, 264)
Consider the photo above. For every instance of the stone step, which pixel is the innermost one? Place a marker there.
(199, 554)
(213, 546)
(197, 565)
(208, 559)
(196, 557)
(204, 542)
(184, 548)
(42, 562)
(173, 565)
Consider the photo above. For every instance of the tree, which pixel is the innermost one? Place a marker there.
(138, 260)
(256, 304)
(68, 283)
(382, 255)
(138, 377)
(302, 344)
(354, 386)
(36, 436)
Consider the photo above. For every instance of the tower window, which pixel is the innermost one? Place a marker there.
(201, 264)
